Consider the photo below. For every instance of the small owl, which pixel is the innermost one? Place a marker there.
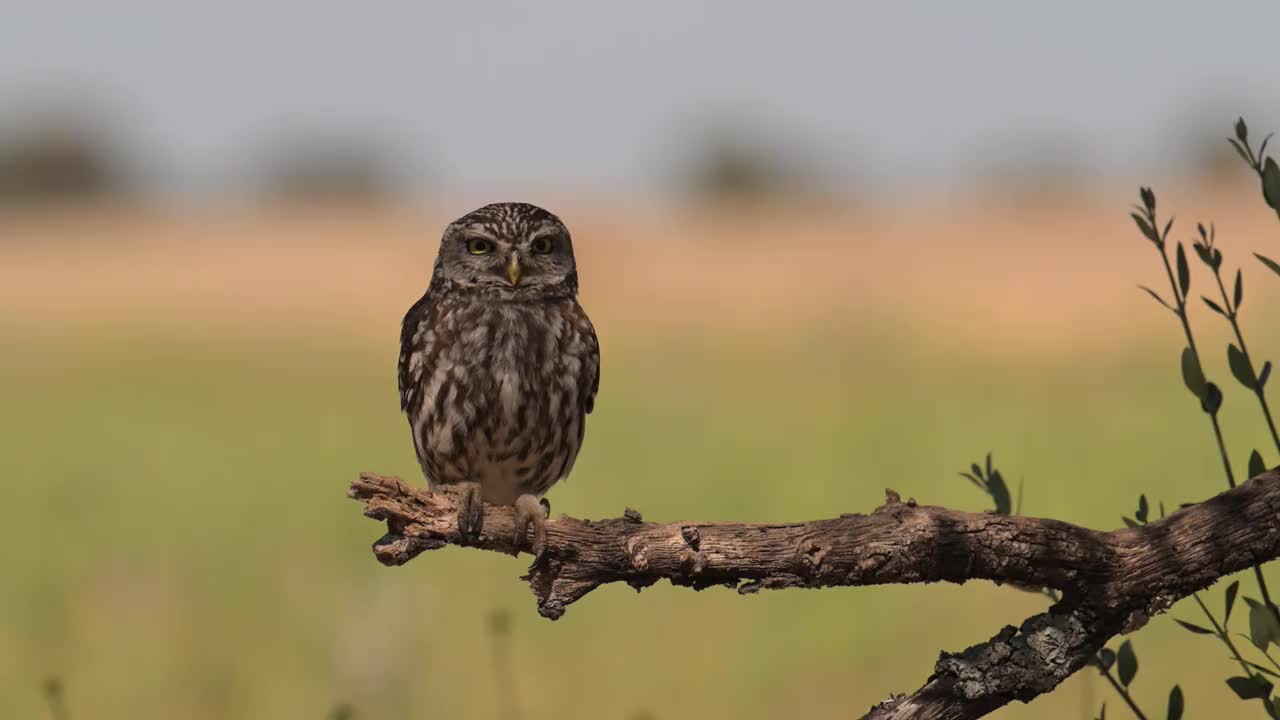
(499, 365)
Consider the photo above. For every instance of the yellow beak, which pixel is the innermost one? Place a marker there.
(513, 270)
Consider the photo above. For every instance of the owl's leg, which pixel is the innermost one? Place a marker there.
(529, 512)
(470, 510)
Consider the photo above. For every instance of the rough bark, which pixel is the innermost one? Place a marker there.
(1111, 581)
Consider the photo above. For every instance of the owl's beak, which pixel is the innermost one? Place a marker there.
(513, 270)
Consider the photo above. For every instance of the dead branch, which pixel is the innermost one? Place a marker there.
(1111, 581)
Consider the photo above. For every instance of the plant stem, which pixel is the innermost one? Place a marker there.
(57, 709)
(1224, 637)
(1266, 411)
(504, 670)
(1124, 694)
(1217, 430)
(1232, 313)
(1235, 652)
(1213, 416)
(1191, 343)
(1271, 660)
(1266, 596)
(1222, 449)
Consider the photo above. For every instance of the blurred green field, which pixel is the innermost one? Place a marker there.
(180, 545)
(178, 542)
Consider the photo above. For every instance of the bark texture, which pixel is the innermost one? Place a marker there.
(1110, 581)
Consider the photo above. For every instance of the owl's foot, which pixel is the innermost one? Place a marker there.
(470, 510)
(529, 511)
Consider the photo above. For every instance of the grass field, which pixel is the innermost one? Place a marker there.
(186, 398)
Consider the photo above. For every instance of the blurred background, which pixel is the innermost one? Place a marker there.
(828, 249)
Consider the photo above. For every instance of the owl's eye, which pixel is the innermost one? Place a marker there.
(479, 246)
(541, 246)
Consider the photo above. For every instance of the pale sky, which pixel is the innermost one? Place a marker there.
(483, 97)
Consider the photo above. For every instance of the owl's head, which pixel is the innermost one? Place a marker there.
(512, 250)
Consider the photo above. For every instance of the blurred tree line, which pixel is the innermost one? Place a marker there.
(57, 158)
(65, 152)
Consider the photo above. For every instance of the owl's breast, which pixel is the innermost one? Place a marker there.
(500, 404)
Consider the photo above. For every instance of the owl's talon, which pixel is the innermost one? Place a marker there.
(539, 541)
(470, 511)
(546, 507)
(529, 511)
(539, 561)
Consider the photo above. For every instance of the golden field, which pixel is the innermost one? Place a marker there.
(187, 393)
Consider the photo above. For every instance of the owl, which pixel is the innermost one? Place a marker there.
(499, 365)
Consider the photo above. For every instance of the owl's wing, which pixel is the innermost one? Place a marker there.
(590, 378)
(413, 320)
(595, 376)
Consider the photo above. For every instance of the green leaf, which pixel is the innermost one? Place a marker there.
(1130, 522)
(1275, 266)
(1206, 255)
(1126, 663)
(1214, 306)
(1193, 627)
(1239, 292)
(1143, 509)
(1250, 688)
(1264, 670)
(999, 492)
(1212, 400)
(1271, 183)
(1242, 130)
(1159, 299)
(1232, 589)
(1266, 373)
(1240, 149)
(1192, 375)
(1146, 228)
(1148, 199)
(1256, 465)
(1263, 627)
(1104, 659)
(1240, 367)
(1184, 270)
(1175, 703)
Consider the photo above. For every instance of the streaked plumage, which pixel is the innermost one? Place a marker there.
(499, 364)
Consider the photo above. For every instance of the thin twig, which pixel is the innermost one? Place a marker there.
(1224, 636)
(1124, 694)
(1233, 314)
(1181, 312)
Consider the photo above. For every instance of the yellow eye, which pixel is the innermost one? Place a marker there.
(541, 246)
(479, 246)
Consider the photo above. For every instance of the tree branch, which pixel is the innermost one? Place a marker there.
(1111, 582)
